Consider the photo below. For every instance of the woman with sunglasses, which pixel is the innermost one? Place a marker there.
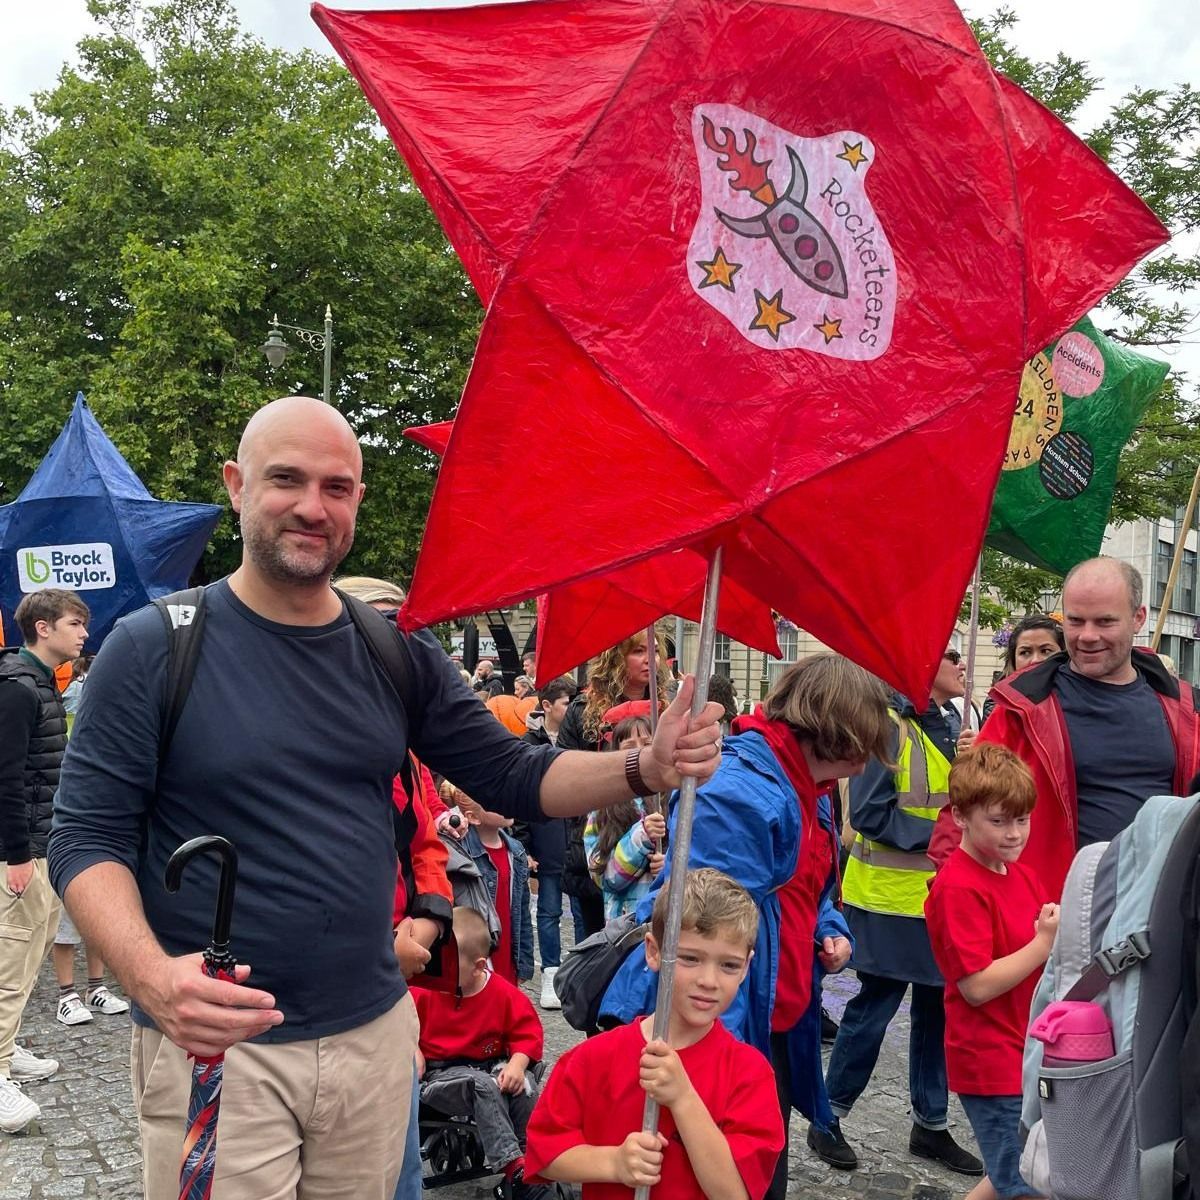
(1034, 639)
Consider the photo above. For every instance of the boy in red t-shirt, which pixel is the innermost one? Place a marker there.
(981, 912)
(479, 1053)
(503, 865)
(720, 1131)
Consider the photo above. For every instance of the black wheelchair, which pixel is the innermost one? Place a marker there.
(452, 1153)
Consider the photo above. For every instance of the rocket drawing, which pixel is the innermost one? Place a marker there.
(801, 240)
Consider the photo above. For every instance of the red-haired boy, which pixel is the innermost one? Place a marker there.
(991, 934)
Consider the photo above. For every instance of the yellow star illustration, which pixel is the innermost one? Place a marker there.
(771, 314)
(852, 154)
(830, 328)
(719, 270)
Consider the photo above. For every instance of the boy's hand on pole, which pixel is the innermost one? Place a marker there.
(661, 1074)
(639, 1159)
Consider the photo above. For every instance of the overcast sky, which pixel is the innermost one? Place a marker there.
(1128, 44)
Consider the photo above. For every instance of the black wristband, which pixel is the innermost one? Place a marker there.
(633, 772)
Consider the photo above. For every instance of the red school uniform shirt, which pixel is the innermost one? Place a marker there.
(496, 1022)
(593, 1099)
(504, 962)
(975, 916)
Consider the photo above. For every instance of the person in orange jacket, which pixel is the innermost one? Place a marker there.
(511, 711)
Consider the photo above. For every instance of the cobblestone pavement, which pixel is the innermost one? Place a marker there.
(85, 1144)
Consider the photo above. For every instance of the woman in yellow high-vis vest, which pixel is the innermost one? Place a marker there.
(883, 892)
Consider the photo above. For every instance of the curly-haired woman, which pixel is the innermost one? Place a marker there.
(621, 673)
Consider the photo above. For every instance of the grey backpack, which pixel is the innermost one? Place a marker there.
(1113, 1129)
(589, 967)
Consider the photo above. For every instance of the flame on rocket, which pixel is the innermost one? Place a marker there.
(800, 239)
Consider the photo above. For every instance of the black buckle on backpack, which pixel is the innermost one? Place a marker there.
(1125, 954)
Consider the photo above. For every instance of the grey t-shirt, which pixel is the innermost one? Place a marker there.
(1122, 749)
(287, 746)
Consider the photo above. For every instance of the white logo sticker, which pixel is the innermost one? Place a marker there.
(787, 245)
(80, 568)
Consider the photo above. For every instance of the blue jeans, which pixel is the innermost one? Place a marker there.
(408, 1186)
(549, 915)
(860, 1038)
(577, 920)
(996, 1122)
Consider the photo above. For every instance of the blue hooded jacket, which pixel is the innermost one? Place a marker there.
(747, 824)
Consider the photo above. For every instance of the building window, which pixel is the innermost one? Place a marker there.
(1162, 568)
(1185, 589)
(1186, 662)
(723, 656)
(789, 648)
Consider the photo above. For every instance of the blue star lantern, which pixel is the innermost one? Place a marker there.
(86, 522)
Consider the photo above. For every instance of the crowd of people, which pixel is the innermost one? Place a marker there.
(390, 870)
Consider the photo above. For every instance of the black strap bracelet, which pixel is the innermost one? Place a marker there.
(633, 772)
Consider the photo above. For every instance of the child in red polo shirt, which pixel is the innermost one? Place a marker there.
(991, 935)
(479, 1053)
(720, 1128)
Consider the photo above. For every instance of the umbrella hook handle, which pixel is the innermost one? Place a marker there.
(217, 957)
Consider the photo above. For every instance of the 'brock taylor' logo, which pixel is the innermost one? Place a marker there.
(787, 245)
(81, 567)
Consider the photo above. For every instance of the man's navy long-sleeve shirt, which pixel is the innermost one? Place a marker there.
(287, 746)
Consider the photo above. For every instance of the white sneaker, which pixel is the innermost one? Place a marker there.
(27, 1066)
(72, 1011)
(16, 1108)
(102, 1000)
(548, 999)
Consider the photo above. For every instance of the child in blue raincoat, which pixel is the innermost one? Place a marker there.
(765, 820)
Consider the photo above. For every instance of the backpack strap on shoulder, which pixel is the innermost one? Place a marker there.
(183, 615)
(389, 648)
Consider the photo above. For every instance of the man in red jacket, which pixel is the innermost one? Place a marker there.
(1102, 727)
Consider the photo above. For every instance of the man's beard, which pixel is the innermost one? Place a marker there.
(272, 559)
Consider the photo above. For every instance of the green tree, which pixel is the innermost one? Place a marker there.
(1152, 140)
(185, 182)
(159, 204)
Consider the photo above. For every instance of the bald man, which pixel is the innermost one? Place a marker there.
(287, 745)
(1103, 726)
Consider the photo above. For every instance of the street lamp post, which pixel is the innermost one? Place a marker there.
(276, 348)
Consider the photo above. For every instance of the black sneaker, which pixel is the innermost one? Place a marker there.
(938, 1145)
(829, 1029)
(530, 1191)
(832, 1148)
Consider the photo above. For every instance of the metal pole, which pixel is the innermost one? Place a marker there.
(682, 840)
(972, 640)
(328, 351)
(652, 652)
(678, 640)
(1180, 542)
(656, 802)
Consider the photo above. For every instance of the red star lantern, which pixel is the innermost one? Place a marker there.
(794, 255)
(578, 620)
